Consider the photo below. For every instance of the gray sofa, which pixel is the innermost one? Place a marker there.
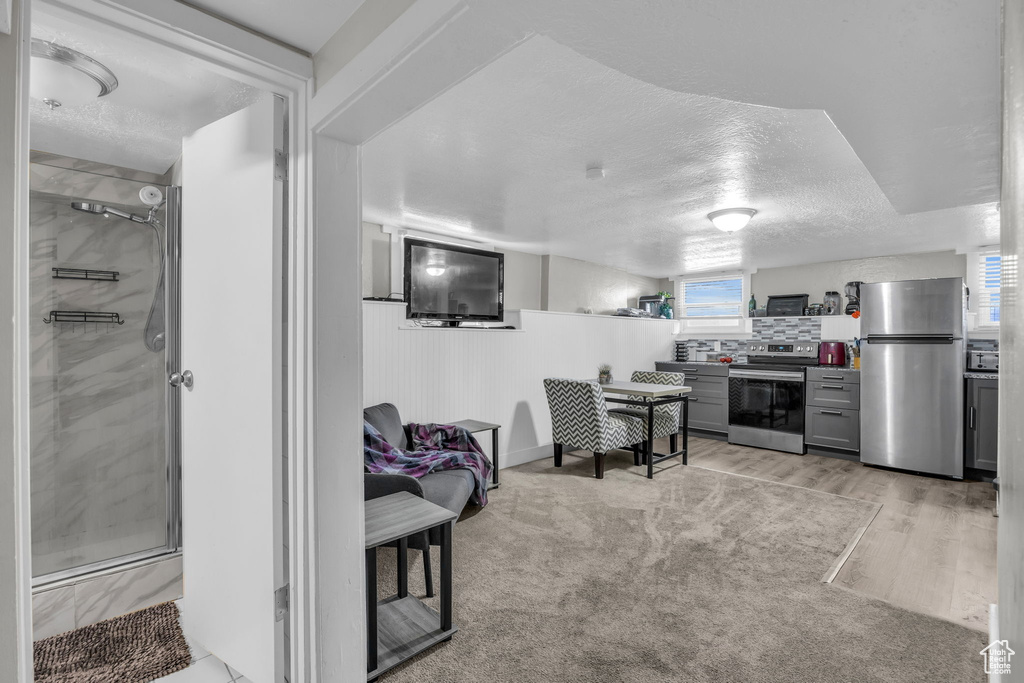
(450, 489)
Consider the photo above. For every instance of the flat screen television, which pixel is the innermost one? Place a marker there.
(452, 283)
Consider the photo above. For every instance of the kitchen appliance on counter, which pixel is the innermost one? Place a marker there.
(786, 304)
(766, 395)
(852, 291)
(832, 353)
(832, 303)
(983, 361)
(651, 304)
(912, 365)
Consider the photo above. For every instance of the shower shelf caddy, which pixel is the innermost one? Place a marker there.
(85, 274)
(84, 317)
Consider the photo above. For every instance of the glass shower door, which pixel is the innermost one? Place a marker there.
(104, 467)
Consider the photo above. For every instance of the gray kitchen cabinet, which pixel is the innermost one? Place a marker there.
(834, 394)
(832, 428)
(832, 412)
(826, 374)
(981, 439)
(709, 395)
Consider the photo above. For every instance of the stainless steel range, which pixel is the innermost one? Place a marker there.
(766, 395)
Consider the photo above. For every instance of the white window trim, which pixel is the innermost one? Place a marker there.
(729, 325)
(974, 285)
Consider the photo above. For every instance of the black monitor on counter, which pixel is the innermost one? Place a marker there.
(453, 283)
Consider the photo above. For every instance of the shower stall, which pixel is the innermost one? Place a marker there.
(105, 471)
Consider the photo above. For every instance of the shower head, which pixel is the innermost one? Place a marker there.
(89, 207)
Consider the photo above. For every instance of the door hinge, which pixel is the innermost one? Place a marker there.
(281, 603)
(280, 165)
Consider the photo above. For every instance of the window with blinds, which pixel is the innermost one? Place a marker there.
(711, 297)
(987, 294)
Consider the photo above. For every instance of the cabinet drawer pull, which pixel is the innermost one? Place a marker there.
(971, 417)
(836, 377)
(831, 412)
(691, 376)
(685, 369)
(840, 387)
(693, 398)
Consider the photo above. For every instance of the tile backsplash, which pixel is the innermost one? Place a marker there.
(786, 330)
(764, 329)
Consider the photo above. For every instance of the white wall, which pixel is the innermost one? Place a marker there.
(339, 568)
(376, 261)
(1011, 370)
(522, 281)
(365, 24)
(817, 278)
(572, 286)
(438, 375)
(15, 651)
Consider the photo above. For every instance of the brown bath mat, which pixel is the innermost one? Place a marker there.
(136, 648)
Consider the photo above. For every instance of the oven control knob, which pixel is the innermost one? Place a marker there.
(760, 348)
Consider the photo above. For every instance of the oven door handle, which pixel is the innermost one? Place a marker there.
(767, 374)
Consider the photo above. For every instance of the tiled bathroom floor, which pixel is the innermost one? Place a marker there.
(205, 668)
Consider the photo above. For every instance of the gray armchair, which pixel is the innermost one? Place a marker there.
(450, 489)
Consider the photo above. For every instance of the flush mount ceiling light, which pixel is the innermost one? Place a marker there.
(595, 173)
(62, 77)
(731, 220)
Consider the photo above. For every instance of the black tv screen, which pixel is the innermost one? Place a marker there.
(448, 282)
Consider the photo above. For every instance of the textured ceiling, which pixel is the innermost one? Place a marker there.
(305, 24)
(913, 85)
(162, 97)
(503, 154)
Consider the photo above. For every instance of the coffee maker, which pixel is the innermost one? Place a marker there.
(853, 295)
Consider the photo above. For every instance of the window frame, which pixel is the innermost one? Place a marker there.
(681, 305)
(975, 273)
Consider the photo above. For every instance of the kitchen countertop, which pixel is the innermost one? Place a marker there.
(830, 368)
(981, 375)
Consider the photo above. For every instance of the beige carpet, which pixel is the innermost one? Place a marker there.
(134, 648)
(695, 576)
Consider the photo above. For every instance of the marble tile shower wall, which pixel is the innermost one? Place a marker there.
(764, 329)
(98, 411)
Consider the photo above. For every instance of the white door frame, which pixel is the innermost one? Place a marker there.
(261, 63)
(324, 392)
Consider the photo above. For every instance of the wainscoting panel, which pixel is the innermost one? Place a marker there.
(443, 375)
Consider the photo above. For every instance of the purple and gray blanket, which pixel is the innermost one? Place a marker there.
(434, 447)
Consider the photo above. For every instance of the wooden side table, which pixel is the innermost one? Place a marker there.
(402, 626)
(475, 426)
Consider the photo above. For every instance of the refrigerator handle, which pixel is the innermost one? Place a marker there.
(910, 339)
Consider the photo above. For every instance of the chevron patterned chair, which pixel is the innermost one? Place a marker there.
(580, 419)
(666, 417)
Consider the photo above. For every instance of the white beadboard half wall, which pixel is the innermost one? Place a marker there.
(443, 375)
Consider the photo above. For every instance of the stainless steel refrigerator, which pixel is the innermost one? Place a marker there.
(912, 375)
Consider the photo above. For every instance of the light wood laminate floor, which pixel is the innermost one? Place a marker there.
(931, 548)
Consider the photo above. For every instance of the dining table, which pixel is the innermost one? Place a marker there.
(649, 396)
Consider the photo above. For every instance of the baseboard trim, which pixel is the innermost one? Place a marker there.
(526, 455)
